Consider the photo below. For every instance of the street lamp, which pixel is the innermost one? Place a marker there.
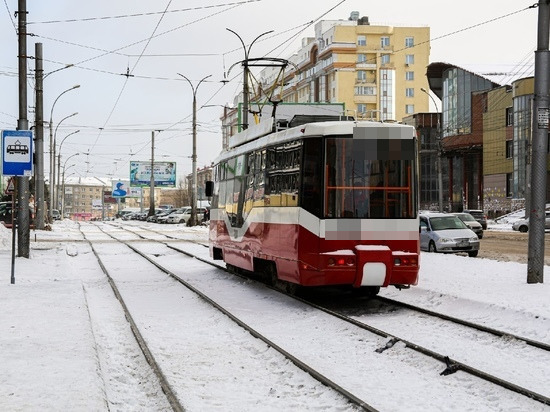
(245, 76)
(52, 165)
(59, 165)
(438, 138)
(62, 200)
(193, 218)
(52, 158)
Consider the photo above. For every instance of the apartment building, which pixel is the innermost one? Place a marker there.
(376, 71)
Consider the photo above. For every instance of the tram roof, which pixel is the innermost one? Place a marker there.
(260, 135)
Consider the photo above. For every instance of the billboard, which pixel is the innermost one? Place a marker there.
(164, 173)
(120, 188)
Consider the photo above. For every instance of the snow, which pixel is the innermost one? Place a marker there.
(64, 344)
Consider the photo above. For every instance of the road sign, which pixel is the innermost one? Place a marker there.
(10, 189)
(17, 153)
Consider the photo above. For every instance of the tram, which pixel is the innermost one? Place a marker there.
(319, 203)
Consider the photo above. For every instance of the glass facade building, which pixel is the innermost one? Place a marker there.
(458, 85)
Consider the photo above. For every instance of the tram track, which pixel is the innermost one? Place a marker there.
(450, 365)
(166, 386)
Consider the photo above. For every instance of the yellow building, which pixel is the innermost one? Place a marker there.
(376, 71)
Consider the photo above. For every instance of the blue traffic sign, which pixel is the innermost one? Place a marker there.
(17, 150)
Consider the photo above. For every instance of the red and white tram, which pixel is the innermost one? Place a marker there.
(321, 203)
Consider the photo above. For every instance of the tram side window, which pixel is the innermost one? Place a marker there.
(283, 174)
(312, 177)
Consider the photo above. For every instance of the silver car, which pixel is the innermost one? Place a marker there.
(523, 224)
(446, 233)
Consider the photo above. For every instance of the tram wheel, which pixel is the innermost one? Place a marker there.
(366, 291)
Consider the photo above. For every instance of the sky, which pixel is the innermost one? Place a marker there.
(66, 344)
(128, 57)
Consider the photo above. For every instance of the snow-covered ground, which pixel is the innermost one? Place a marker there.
(47, 346)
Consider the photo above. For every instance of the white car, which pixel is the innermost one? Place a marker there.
(185, 215)
(446, 233)
(523, 224)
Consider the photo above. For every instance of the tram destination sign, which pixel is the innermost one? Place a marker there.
(17, 153)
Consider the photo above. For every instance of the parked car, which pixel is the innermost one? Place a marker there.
(185, 215)
(523, 224)
(158, 212)
(472, 224)
(446, 233)
(478, 215)
(163, 217)
(5, 211)
(56, 215)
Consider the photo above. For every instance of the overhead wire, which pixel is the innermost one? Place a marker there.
(124, 16)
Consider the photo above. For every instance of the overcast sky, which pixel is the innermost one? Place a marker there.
(105, 40)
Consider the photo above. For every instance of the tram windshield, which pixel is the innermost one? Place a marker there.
(364, 183)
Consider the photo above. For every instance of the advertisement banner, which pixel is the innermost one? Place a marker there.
(164, 174)
(120, 188)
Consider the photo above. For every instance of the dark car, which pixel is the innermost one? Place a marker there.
(479, 216)
(471, 222)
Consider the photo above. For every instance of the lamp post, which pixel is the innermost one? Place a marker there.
(59, 165)
(63, 182)
(52, 159)
(39, 139)
(438, 138)
(63, 189)
(193, 218)
(245, 74)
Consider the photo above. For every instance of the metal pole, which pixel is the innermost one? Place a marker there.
(152, 184)
(23, 229)
(193, 219)
(58, 181)
(39, 140)
(52, 152)
(245, 75)
(439, 160)
(541, 112)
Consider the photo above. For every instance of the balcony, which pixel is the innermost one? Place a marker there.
(365, 98)
(365, 66)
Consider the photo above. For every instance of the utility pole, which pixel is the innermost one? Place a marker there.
(245, 75)
(39, 140)
(152, 184)
(193, 219)
(541, 112)
(23, 221)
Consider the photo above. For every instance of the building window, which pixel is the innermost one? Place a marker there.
(361, 75)
(361, 58)
(409, 75)
(409, 41)
(384, 59)
(509, 116)
(409, 92)
(361, 40)
(384, 41)
(509, 149)
(365, 90)
(409, 59)
(361, 108)
(409, 108)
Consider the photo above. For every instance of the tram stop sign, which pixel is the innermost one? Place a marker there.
(17, 151)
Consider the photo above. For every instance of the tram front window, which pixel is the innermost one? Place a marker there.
(362, 184)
